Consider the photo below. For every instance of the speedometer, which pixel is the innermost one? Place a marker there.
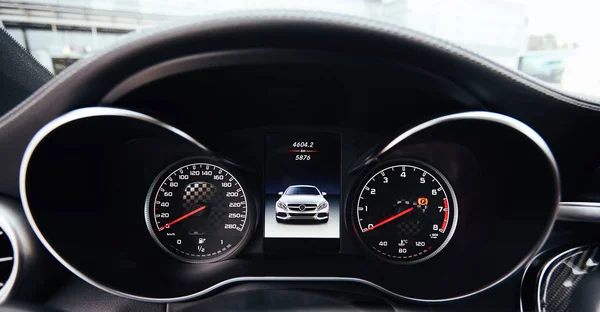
(406, 212)
(198, 211)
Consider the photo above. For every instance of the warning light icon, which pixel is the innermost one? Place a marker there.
(423, 201)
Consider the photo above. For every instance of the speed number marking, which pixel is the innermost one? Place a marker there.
(199, 211)
(211, 183)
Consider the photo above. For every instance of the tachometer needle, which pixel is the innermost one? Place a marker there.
(390, 219)
(185, 216)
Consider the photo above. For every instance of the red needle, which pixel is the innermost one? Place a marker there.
(185, 216)
(392, 218)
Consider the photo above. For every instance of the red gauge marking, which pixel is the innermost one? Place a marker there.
(303, 151)
(446, 215)
(390, 219)
(185, 216)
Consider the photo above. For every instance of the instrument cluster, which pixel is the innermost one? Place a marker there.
(437, 202)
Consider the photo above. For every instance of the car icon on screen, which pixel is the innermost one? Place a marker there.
(302, 202)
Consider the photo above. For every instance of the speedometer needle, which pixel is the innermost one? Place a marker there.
(185, 216)
(390, 219)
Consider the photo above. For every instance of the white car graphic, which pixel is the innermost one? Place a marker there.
(302, 202)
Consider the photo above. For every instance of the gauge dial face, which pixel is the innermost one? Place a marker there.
(198, 212)
(405, 213)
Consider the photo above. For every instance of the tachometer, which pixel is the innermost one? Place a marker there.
(406, 212)
(198, 212)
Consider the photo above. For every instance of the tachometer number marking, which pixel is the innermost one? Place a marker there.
(414, 212)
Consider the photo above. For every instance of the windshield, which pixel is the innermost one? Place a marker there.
(550, 40)
(302, 190)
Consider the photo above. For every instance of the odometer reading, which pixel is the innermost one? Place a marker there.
(197, 212)
(406, 213)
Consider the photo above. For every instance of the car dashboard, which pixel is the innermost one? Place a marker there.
(242, 158)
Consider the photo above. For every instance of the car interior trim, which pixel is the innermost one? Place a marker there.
(265, 56)
(10, 231)
(486, 116)
(211, 60)
(579, 211)
(549, 264)
(538, 278)
(524, 275)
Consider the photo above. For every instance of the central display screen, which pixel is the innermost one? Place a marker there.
(302, 190)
